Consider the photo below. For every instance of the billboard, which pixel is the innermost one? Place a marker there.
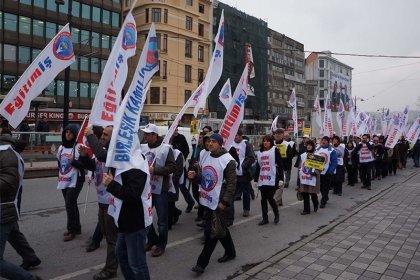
(340, 90)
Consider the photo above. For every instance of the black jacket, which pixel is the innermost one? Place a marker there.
(287, 162)
(71, 144)
(180, 142)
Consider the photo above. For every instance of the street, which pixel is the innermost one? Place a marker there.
(43, 222)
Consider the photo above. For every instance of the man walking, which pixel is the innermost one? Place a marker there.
(366, 158)
(330, 164)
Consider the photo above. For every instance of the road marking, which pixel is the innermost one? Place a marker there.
(170, 245)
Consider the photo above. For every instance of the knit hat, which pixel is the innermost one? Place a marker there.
(217, 137)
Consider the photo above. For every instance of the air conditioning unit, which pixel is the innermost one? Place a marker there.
(213, 115)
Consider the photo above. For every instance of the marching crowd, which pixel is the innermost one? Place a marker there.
(217, 177)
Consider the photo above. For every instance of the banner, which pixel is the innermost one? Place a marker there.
(340, 90)
(250, 60)
(108, 95)
(395, 132)
(225, 95)
(81, 139)
(292, 103)
(318, 117)
(404, 119)
(215, 68)
(414, 132)
(328, 125)
(340, 117)
(315, 161)
(236, 111)
(361, 123)
(54, 58)
(384, 122)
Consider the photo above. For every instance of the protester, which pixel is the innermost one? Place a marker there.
(366, 158)
(218, 181)
(161, 164)
(330, 165)
(193, 143)
(176, 179)
(416, 153)
(351, 163)
(70, 179)
(339, 175)
(309, 184)
(395, 160)
(403, 147)
(379, 155)
(286, 154)
(24, 127)
(106, 222)
(180, 142)
(268, 158)
(246, 155)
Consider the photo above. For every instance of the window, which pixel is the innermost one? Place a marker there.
(187, 95)
(27, 2)
(24, 25)
(103, 63)
(321, 63)
(9, 52)
(52, 6)
(200, 76)
(105, 41)
(38, 28)
(156, 14)
(39, 3)
(84, 90)
(75, 34)
(158, 71)
(51, 31)
(115, 19)
(321, 83)
(154, 95)
(164, 69)
(96, 14)
(50, 89)
(165, 43)
(188, 48)
(165, 15)
(95, 39)
(201, 8)
(321, 73)
(10, 22)
(113, 39)
(75, 9)
(147, 15)
(201, 53)
(164, 95)
(158, 41)
(188, 23)
(94, 65)
(93, 89)
(24, 55)
(64, 8)
(8, 81)
(35, 53)
(73, 89)
(84, 64)
(189, 2)
(201, 29)
(188, 73)
(85, 11)
(60, 88)
(75, 65)
(106, 15)
(84, 38)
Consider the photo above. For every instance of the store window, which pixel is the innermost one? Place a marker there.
(73, 89)
(50, 89)
(60, 88)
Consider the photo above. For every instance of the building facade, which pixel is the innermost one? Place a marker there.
(27, 26)
(184, 31)
(286, 70)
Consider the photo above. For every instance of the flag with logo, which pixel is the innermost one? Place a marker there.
(404, 119)
(414, 132)
(108, 95)
(292, 103)
(340, 117)
(124, 151)
(215, 68)
(225, 95)
(236, 111)
(81, 139)
(328, 124)
(54, 58)
(384, 122)
(395, 132)
(361, 123)
(318, 117)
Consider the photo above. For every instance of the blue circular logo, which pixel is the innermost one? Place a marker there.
(129, 36)
(63, 47)
(209, 178)
(65, 164)
(150, 157)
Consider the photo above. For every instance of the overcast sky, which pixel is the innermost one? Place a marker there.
(385, 27)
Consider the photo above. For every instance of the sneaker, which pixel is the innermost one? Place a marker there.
(246, 213)
(104, 274)
(197, 269)
(157, 252)
(32, 264)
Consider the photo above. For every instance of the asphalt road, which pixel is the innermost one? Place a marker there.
(44, 221)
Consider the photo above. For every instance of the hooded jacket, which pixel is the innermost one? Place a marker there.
(71, 144)
(9, 180)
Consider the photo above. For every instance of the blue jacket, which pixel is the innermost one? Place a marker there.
(333, 162)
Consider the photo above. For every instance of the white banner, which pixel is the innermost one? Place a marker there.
(108, 95)
(54, 58)
(328, 124)
(225, 95)
(340, 90)
(395, 132)
(318, 117)
(414, 132)
(347, 127)
(361, 123)
(274, 124)
(236, 111)
(340, 117)
(215, 68)
(404, 119)
(292, 103)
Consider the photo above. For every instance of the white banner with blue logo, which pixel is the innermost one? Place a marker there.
(108, 94)
(124, 151)
(225, 95)
(54, 58)
(215, 68)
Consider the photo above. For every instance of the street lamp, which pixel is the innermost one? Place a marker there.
(66, 99)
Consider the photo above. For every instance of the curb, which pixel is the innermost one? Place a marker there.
(40, 172)
(289, 250)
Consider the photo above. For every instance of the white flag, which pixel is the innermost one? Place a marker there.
(292, 103)
(124, 151)
(236, 111)
(340, 117)
(318, 117)
(225, 95)
(361, 123)
(404, 119)
(274, 124)
(395, 132)
(54, 58)
(108, 94)
(414, 132)
(328, 125)
(215, 68)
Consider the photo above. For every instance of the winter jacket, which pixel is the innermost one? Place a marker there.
(72, 144)
(290, 153)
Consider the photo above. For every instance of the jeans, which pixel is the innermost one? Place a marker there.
(131, 254)
(97, 235)
(160, 201)
(10, 270)
(365, 173)
(187, 195)
(245, 189)
(70, 198)
(109, 229)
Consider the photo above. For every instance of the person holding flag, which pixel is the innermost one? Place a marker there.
(366, 158)
(326, 150)
(71, 177)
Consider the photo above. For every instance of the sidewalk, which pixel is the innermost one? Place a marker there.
(378, 240)
(41, 169)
